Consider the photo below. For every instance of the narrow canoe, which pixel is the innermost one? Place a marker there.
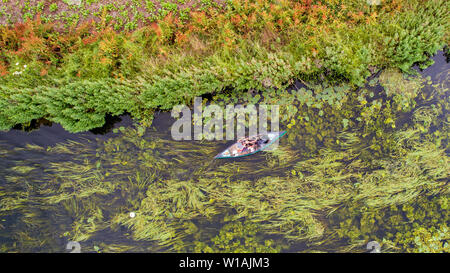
(272, 136)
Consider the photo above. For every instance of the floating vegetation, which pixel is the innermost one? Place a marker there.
(418, 226)
(238, 237)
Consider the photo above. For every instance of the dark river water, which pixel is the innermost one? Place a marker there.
(33, 162)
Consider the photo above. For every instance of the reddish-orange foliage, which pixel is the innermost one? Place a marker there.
(307, 3)
(43, 72)
(236, 20)
(26, 40)
(199, 19)
(251, 19)
(89, 40)
(156, 28)
(181, 38)
(3, 69)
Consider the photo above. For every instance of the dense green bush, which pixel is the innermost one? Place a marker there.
(180, 88)
(78, 106)
(18, 106)
(414, 35)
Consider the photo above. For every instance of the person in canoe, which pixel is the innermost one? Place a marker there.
(250, 145)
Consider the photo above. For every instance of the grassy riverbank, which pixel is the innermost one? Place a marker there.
(77, 76)
(365, 157)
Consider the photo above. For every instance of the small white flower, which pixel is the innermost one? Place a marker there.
(17, 63)
(132, 214)
(24, 66)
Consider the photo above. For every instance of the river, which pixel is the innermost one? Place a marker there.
(57, 186)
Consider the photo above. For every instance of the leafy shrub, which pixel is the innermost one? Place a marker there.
(18, 106)
(78, 106)
(414, 35)
(178, 88)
